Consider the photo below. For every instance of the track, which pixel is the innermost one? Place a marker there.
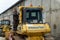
(18, 38)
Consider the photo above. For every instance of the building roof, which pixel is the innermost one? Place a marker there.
(12, 6)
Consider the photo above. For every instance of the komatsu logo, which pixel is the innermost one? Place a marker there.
(39, 27)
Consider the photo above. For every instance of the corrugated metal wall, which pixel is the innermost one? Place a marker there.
(53, 17)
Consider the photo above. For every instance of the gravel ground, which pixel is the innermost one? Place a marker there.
(18, 38)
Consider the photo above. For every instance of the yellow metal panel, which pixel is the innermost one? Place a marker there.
(47, 28)
(36, 28)
(29, 7)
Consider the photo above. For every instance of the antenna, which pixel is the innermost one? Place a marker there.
(31, 3)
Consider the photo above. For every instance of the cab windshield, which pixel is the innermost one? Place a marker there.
(5, 22)
(33, 15)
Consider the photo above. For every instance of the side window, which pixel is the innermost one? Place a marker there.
(44, 17)
(27, 15)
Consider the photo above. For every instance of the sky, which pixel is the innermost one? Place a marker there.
(5, 4)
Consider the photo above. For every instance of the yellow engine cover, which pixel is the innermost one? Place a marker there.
(35, 28)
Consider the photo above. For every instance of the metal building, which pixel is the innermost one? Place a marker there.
(51, 12)
(9, 12)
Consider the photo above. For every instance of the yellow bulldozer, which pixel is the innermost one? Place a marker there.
(5, 28)
(5, 24)
(31, 26)
(28, 24)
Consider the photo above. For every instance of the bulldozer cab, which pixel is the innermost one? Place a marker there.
(32, 15)
(5, 25)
